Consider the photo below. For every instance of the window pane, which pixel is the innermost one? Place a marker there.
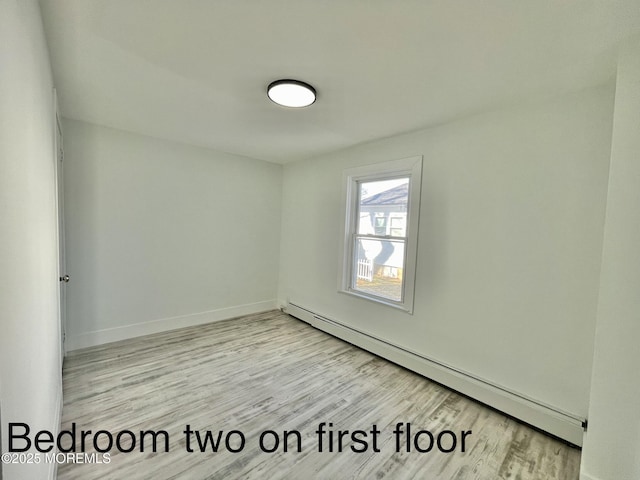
(378, 267)
(382, 205)
(398, 226)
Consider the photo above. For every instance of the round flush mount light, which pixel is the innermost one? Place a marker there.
(291, 93)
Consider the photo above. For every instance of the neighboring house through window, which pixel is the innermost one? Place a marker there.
(380, 236)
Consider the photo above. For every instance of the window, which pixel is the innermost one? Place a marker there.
(378, 260)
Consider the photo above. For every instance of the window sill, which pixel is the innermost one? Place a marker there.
(378, 300)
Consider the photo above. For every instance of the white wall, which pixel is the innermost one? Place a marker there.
(164, 234)
(612, 443)
(30, 380)
(510, 242)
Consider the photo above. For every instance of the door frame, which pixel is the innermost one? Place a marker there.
(60, 230)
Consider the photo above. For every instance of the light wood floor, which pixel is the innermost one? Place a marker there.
(272, 372)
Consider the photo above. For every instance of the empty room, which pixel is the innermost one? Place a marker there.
(291, 239)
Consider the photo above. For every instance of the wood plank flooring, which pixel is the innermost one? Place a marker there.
(272, 372)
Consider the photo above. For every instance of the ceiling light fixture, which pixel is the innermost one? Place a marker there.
(291, 93)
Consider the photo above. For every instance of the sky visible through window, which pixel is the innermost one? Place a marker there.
(372, 188)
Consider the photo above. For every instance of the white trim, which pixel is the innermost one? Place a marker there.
(411, 167)
(108, 335)
(57, 423)
(57, 124)
(565, 425)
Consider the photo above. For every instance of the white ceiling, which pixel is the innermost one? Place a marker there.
(196, 71)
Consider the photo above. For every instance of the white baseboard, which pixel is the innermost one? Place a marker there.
(562, 424)
(108, 335)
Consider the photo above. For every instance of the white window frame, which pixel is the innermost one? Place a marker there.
(407, 167)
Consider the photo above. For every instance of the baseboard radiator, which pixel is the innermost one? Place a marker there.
(561, 424)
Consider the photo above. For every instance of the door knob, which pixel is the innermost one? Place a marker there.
(65, 279)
